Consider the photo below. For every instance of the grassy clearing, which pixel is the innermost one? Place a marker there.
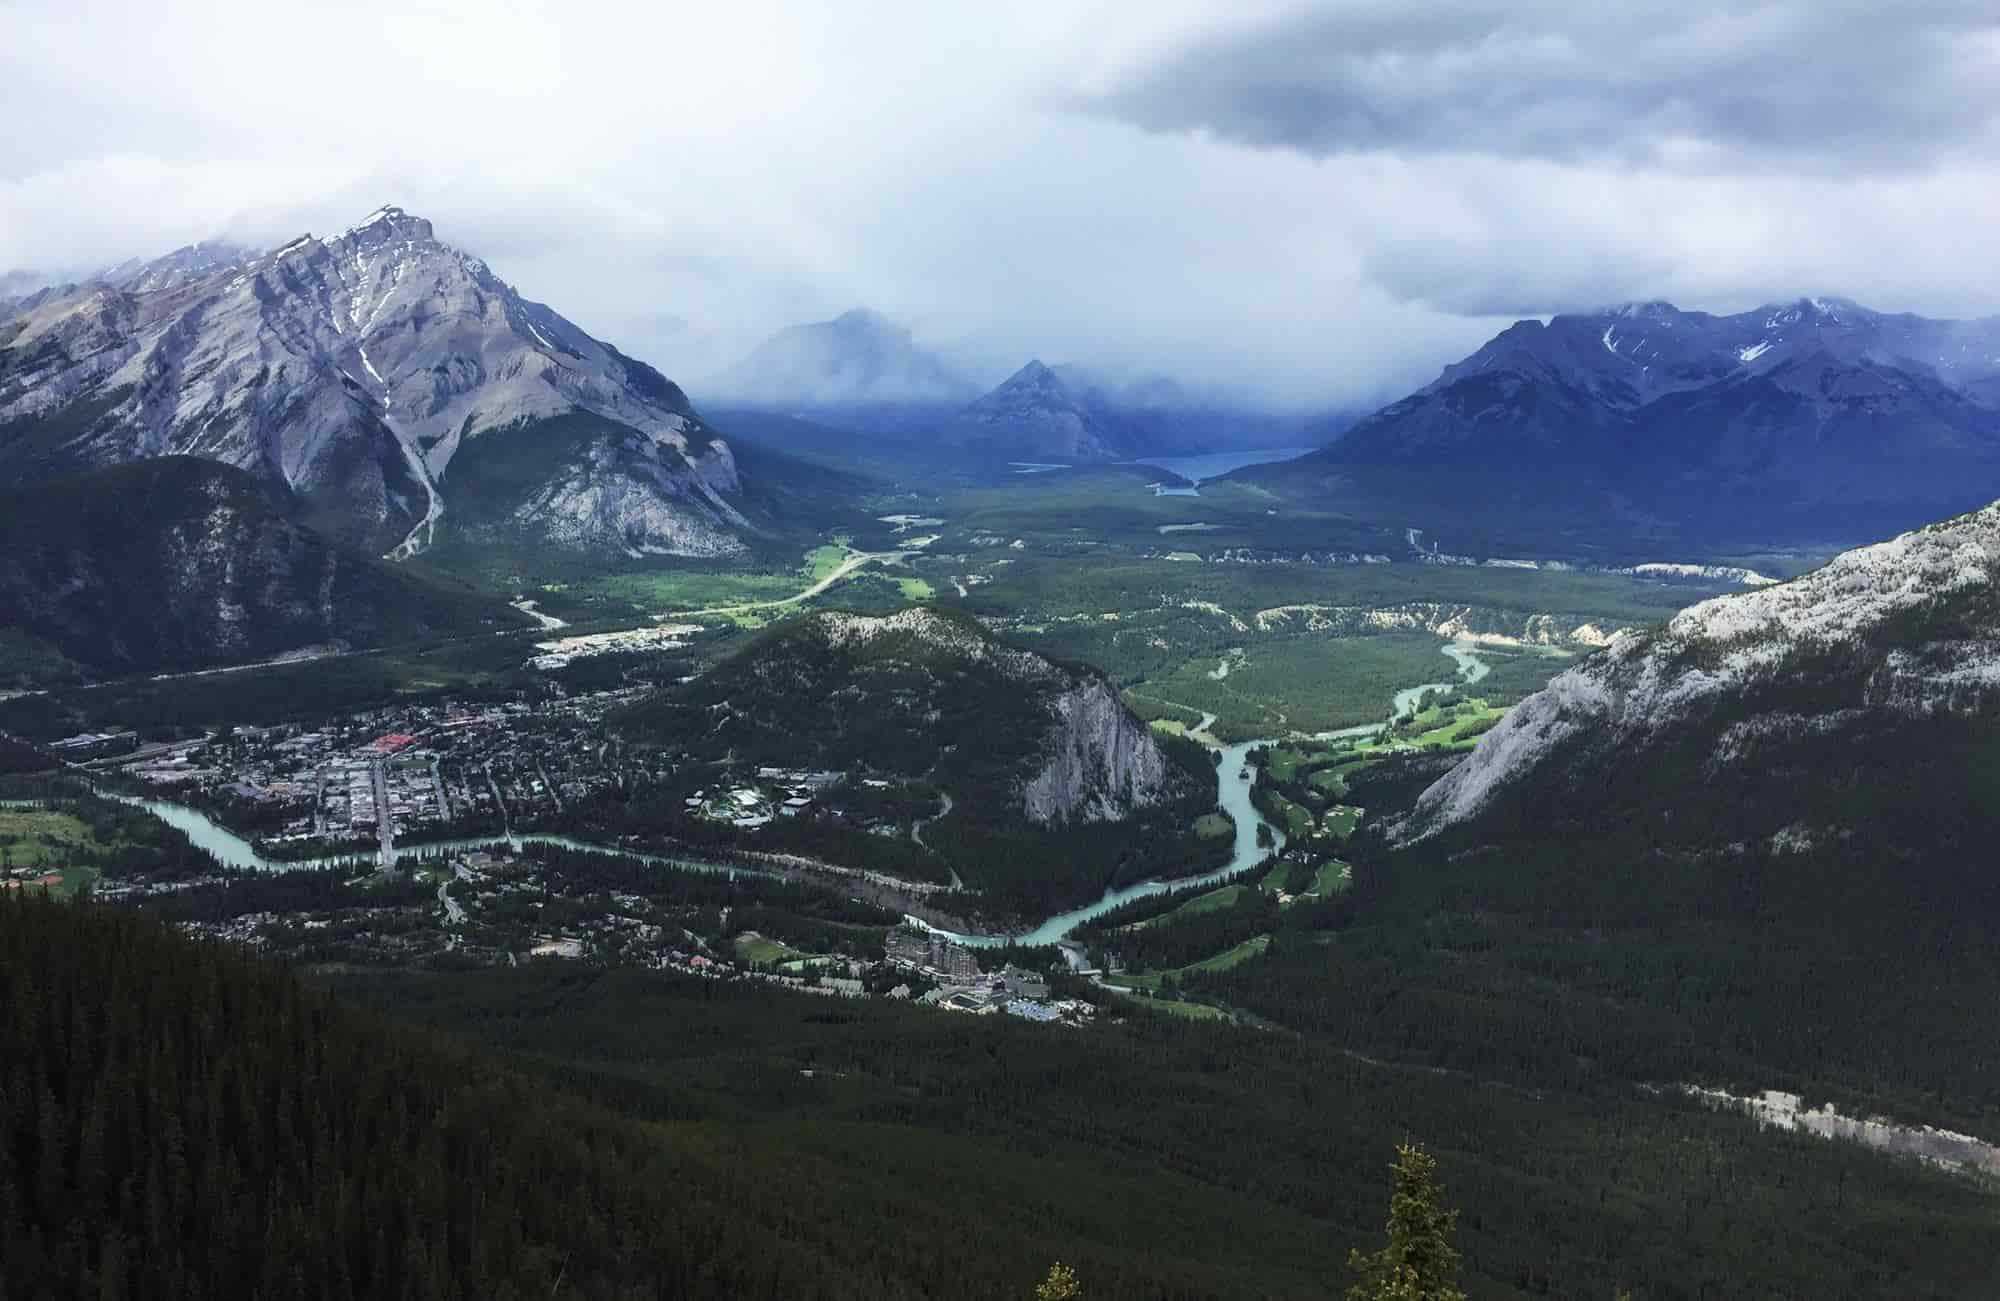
(1174, 1007)
(1333, 877)
(1287, 760)
(1213, 826)
(1233, 957)
(1453, 726)
(1331, 782)
(76, 878)
(759, 951)
(1221, 897)
(1302, 683)
(662, 589)
(1339, 821)
(694, 589)
(1299, 822)
(1223, 961)
(822, 560)
(42, 838)
(915, 589)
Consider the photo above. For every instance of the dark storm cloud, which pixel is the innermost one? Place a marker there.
(1808, 83)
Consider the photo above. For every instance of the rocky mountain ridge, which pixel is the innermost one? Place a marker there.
(352, 371)
(1899, 632)
(1598, 437)
(1821, 399)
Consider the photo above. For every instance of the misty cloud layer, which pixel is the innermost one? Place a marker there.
(1807, 84)
(1316, 204)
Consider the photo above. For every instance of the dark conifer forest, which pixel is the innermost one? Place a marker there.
(181, 1119)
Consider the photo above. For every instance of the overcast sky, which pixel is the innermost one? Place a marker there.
(1324, 202)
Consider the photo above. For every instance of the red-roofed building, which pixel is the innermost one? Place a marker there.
(390, 742)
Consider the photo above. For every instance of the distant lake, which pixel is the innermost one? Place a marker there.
(1210, 465)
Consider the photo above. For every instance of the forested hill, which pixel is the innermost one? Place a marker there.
(180, 1119)
(181, 563)
(1057, 791)
(1763, 831)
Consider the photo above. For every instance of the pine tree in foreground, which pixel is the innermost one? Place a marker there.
(1418, 1263)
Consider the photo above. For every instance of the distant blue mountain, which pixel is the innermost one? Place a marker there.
(1815, 405)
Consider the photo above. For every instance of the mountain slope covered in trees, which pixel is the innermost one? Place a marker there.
(1753, 845)
(181, 563)
(1056, 791)
(179, 1118)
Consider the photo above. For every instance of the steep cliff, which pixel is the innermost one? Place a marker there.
(1103, 762)
(1884, 637)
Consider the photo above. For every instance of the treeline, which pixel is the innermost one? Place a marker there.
(477, 670)
(1168, 1158)
(1640, 922)
(180, 1120)
(914, 709)
(1149, 906)
(593, 871)
(321, 889)
(1187, 938)
(17, 756)
(655, 813)
(1190, 937)
(719, 906)
(135, 845)
(1018, 869)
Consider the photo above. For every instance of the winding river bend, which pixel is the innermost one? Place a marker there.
(1234, 778)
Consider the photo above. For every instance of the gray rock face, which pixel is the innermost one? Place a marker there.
(354, 370)
(1844, 402)
(1035, 414)
(1104, 763)
(1904, 629)
(180, 267)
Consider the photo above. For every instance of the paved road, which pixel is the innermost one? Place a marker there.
(498, 798)
(548, 622)
(385, 821)
(548, 785)
(917, 834)
(545, 622)
(454, 911)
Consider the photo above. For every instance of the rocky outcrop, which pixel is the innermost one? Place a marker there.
(1494, 625)
(1035, 414)
(1103, 762)
(1905, 629)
